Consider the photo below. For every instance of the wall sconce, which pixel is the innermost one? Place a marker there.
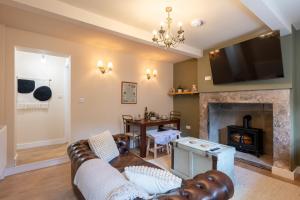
(149, 74)
(104, 68)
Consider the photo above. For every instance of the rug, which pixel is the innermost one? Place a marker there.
(251, 185)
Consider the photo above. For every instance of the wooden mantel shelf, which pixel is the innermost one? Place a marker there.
(182, 93)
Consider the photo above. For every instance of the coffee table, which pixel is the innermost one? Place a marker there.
(192, 156)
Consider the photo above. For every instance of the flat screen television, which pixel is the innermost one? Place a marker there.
(255, 59)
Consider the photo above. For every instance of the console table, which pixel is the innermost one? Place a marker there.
(192, 156)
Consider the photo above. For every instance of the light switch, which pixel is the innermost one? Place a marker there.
(81, 100)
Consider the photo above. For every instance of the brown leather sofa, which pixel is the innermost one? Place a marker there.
(212, 185)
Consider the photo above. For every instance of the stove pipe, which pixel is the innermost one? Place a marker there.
(247, 121)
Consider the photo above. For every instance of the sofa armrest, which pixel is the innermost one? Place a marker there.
(212, 185)
(122, 142)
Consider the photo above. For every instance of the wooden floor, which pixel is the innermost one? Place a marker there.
(54, 183)
(31, 155)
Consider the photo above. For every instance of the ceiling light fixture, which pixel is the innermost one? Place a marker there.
(164, 36)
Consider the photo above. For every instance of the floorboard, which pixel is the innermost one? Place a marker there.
(31, 155)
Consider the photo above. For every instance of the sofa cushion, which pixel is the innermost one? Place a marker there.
(128, 192)
(152, 180)
(104, 146)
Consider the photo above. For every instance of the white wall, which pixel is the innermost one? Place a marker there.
(36, 127)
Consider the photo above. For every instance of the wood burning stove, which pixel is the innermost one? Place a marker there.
(244, 138)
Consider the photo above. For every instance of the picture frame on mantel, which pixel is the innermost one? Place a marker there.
(128, 92)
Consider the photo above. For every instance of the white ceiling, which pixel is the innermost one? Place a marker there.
(276, 14)
(136, 19)
(288, 9)
(224, 19)
(51, 25)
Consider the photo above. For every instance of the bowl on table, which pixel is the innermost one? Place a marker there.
(152, 118)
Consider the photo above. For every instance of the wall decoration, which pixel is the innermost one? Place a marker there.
(25, 86)
(27, 101)
(129, 93)
(43, 93)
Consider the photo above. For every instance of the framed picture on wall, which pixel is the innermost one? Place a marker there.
(128, 92)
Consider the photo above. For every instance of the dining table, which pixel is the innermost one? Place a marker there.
(143, 124)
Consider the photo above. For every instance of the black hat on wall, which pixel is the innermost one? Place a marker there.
(25, 86)
(43, 93)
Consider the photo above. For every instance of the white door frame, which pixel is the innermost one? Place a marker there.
(67, 94)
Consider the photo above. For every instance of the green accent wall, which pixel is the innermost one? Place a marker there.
(185, 75)
(204, 69)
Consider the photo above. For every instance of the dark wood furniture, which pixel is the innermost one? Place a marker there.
(210, 185)
(134, 136)
(246, 139)
(143, 124)
(175, 115)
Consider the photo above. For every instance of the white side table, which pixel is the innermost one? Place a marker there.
(192, 156)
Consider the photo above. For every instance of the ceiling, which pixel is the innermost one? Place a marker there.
(135, 20)
(220, 17)
(288, 9)
(85, 34)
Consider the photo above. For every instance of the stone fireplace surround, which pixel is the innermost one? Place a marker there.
(282, 126)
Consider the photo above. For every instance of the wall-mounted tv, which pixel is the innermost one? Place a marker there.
(255, 59)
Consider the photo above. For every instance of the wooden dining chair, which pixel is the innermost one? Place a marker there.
(175, 115)
(133, 135)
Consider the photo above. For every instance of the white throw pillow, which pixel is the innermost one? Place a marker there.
(104, 146)
(152, 180)
(128, 192)
(96, 179)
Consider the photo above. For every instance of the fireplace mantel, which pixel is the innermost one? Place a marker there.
(282, 126)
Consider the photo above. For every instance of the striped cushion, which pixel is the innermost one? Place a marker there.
(104, 146)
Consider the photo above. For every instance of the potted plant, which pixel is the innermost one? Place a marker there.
(179, 89)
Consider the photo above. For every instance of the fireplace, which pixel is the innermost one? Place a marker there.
(275, 102)
(246, 126)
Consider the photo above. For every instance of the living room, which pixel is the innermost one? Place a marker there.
(115, 67)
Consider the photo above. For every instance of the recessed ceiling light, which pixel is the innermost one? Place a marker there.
(197, 22)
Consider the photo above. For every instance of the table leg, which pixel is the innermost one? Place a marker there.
(127, 128)
(178, 125)
(143, 139)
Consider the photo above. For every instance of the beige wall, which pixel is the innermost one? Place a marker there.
(102, 108)
(35, 127)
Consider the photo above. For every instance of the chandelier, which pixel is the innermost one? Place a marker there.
(164, 36)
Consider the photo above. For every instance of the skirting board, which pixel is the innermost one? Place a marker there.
(34, 166)
(285, 173)
(41, 143)
(297, 171)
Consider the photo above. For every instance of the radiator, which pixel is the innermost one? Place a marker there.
(3, 150)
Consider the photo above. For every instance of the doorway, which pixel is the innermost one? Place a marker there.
(42, 105)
